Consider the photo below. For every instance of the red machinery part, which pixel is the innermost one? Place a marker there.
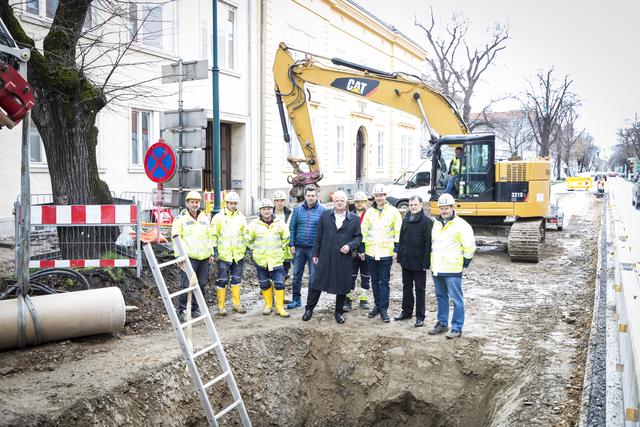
(16, 96)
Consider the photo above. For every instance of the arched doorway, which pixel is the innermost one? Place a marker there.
(361, 143)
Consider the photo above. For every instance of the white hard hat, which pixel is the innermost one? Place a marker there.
(446, 199)
(360, 196)
(379, 189)
(193, 195)
(232, 196)
(266, 203)
(279, 195)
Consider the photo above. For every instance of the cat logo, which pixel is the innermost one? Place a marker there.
(362, 87)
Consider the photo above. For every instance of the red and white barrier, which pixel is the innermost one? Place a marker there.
(84, 215)
(87, 215)
(82, 263)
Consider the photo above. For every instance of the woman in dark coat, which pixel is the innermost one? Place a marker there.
(414, 253)
(338, 235)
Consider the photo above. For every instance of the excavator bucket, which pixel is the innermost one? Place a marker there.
(16, 96)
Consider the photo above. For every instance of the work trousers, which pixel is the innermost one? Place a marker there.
(380, 274)
(413, 279)
(226, 269)
(359, 265)
(201, 267)
(314, 295)
(266, 277)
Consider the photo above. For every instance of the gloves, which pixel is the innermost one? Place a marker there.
(466, 262)
(395, 247)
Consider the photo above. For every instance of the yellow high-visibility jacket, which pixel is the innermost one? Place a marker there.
(267, 242)
(451, 242)
(195, 234)
(227, 234)
(381, 231)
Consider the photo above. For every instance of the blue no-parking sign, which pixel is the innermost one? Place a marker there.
(160, 162)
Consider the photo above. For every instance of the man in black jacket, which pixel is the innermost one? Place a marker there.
(414, 252)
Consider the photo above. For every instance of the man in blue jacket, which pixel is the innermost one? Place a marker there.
(302, 226)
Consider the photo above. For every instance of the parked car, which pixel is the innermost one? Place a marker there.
(635, 195)
(613, 173)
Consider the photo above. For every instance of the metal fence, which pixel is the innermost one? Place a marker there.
(81, 236)
(627, 296)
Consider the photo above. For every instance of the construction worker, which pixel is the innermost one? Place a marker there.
(193, 228)
(381, 234)
(267, 237)
(359, 264)
(302, 227)
(227, 232)
(452, 247)
(282, 211)
(454, 172)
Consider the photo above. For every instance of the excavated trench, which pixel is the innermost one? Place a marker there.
(315, 377)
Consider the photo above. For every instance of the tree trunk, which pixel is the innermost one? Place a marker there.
(65, 112)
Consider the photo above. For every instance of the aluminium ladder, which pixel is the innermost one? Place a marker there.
(184, 341)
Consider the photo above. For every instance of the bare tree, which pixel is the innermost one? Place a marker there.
(547, 105)
(630, 137)
(458, 66)
(73, 77)
(586, 153)
(567, 138)
(513, 129)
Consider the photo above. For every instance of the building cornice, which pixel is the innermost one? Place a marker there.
(350, 10)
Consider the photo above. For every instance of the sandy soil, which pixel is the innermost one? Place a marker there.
(519, 362)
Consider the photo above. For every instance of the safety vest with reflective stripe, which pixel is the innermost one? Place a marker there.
(195, 234)
(454, 168)
(451, 242)
(267, 242)
(286, 217)
(381, 231)
(227, 233)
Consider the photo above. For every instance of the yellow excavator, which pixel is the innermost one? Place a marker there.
(512, 195)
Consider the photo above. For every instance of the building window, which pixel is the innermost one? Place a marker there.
(226, 36)
(205, 37)
(339, 146)
(33, 6)
(47, 8)
(380, 150)
(300, 40)
(52, 5)
(36, 148)
(405, 150)
(151, 24)
(140, 135)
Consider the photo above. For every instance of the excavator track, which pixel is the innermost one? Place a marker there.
(525, 240)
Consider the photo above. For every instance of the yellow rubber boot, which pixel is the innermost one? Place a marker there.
(280, 303)
(222, 292)
(267, 295)
(235, 298)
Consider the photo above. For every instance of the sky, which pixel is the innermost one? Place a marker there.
(594, 42)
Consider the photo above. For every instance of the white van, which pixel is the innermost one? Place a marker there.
(415, 180)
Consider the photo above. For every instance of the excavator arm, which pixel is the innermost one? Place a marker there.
(401, 91)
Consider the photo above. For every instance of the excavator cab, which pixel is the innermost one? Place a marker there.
(475, 182)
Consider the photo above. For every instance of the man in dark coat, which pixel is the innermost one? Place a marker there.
(414, 252)
(338, 235)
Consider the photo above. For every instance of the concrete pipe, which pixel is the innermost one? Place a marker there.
(65, 315)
